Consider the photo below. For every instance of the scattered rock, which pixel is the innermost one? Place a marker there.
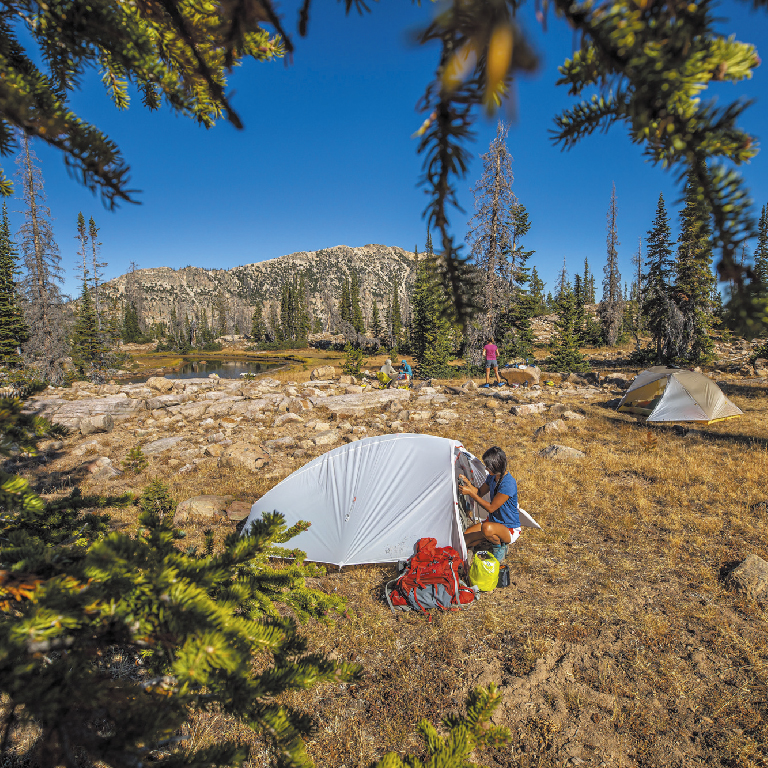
(158, 446)
(345, 379)
(106, 472)
(102, 422)
(209, 506)
(494, 404)
(238, 510)
(329, 437)
(164, 401)
(287, 418)
(555, 451)
(323, 372)
(251, 457)
(299, 405)
(280, 443)
(215, 450)
(572, 416)
(523, 376)
(528, 409)
(750, 578)
(353, 405)
(420, 415)
(447, 415)
(552, 426)
(160, 384)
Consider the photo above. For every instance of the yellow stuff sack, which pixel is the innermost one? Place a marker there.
(484, 572)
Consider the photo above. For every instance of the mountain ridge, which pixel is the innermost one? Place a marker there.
(158, 291)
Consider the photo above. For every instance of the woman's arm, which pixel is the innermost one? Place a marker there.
(477, 494)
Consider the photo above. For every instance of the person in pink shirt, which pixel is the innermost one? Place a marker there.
(490, 352)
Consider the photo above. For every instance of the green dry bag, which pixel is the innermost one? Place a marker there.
(484, 571)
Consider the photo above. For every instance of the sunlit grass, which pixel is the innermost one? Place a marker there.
(616, 635)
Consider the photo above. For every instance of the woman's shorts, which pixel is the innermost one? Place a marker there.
(491, 363)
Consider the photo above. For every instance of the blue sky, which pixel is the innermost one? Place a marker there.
(327, 158)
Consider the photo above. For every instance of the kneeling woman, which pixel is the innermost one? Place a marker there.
(502, 527)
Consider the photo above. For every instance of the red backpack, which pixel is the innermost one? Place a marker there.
(430, 580)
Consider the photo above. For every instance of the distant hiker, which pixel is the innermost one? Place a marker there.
(406, 371)
(502, 527)
(490, 350)
(387, 373)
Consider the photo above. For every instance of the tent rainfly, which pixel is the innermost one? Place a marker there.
(371, 500)
(675, 394)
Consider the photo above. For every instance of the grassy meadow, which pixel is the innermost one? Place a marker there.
(616, 643)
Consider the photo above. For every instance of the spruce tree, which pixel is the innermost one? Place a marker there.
(356, 312)
(694, 280)
(377, 330)
(586, 282)
(519, 273)
(131, 330)
(431, 332)
(13, 331)
(657, 280)
(46, 344)
(86, 343)
(611, 309)
(97, 267)
(397, 318)
(537, 293)
(516, 330)
(276, 330)
(219, 325)
(112, 328)
(345, 303)
(562, 284)
(760, 268)
(304, 324)
(258, 327)
(286, 316)
(634, 319)
(565, 354)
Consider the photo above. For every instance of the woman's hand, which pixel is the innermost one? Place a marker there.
(466, 487)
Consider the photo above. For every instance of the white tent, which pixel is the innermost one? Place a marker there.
(676, 394)
(371, 500)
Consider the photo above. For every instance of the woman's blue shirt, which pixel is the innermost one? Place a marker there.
(507, 513)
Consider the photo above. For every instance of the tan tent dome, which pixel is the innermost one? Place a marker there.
(676, 394)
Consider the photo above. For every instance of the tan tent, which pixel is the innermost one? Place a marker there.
(676, 394)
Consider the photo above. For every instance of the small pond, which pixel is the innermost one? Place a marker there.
(201, 369)
(224, 369)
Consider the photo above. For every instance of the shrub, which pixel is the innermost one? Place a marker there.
(463, 735)
(354, 360)
(135, 461)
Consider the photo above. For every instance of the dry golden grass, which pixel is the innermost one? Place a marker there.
(616, 644)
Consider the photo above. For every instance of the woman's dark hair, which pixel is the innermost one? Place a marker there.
(495, 460)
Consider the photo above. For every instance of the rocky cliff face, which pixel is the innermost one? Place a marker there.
(191, 290)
